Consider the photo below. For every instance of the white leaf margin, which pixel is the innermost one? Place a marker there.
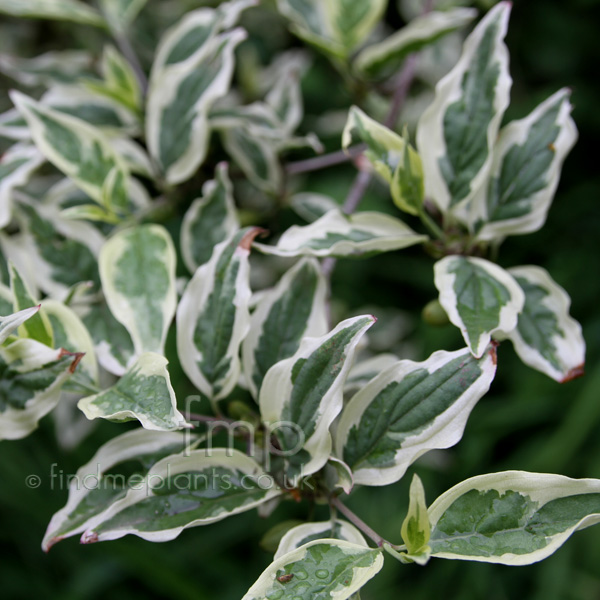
(508, 317)
(571, 348)
(124, 447)
(443, 432)
(360, 575)
(430, 129)
(540, 487)
(172, 466)
(390, 234)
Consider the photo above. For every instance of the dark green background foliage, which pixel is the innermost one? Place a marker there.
(526, 422)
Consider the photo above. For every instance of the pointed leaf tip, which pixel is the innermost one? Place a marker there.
(578, 371)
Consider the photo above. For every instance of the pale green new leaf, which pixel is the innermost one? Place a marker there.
(137, 269)
(179, 99)
(511, 518)
(32, 376)
(302, 395)
(456, 133)
(525, 170)
(337, 234)
(546, 337)
(38, 326)
(325, 568)
(16, 167)
(10, 322)
(309, 532)
(392, 157)
(209, 220)
(213, 317)
(96, 485)
(409, 409)
(120, 83)
(60, 10)
(144, 393)
(185, 491)
(385, 58)
(294, 309)
(479, 297)
(64, 66)
(336, 26)
(416, 529)
(388, 153)
(81, 151)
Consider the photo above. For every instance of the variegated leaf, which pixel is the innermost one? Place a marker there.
(79, 150)
(16, 167)
(185, 491)
(309, 532)
(70, 334)
(255, 155)
(213, 317)
(479, 297)
(325, 568)
(456, 133)
(63, 253)
(302, 395)
(366, 369)
(96, 485)
(525, 170)
(180, 95)
(60, 10)
(311, 206)
(93, 103)
(337, 234)
(38, 326)
(337, 26)
(13, 126)
(546, 337)
(137, 269)
(285, 98)
(210, 219)
(112, 342)
(144, 393)
(32, 377)
(64, 66)
(385, 58)
(189, 36)
(11, 321)
(294, 309)
(511, 518)
(409, 409)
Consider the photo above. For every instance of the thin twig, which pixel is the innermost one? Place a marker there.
(356, 520)
(405, 79)
(324, 161)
